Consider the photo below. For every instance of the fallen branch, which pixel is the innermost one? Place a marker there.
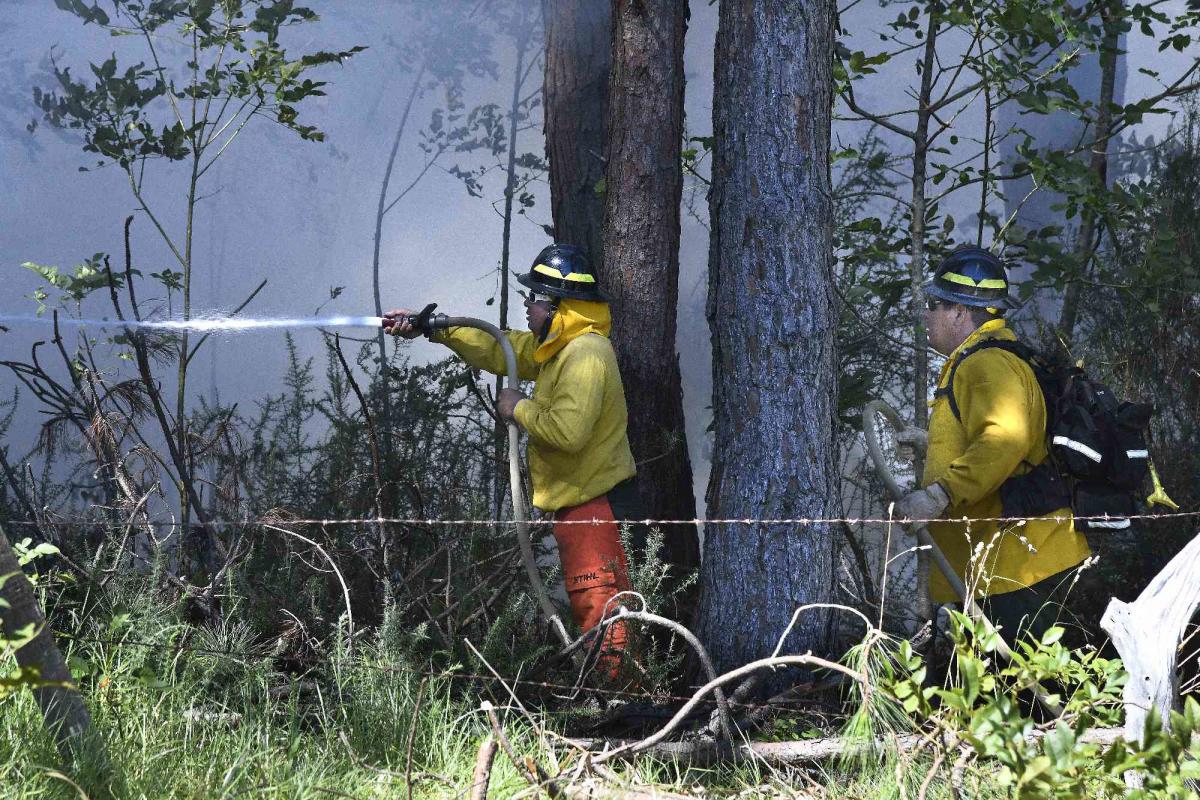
(482, 776)
(805, 660)
(725, 721)
(412, 735)
(517, 702)
(527, 768)
(336, 571)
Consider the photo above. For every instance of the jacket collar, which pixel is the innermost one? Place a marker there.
(992, 329)
(573, 319)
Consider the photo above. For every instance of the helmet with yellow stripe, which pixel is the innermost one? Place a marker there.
(972, 276)
(563, 270)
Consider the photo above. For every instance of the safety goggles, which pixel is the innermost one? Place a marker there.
(933, 303)
(534, 297)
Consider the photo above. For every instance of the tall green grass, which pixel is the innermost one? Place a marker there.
(196, 711)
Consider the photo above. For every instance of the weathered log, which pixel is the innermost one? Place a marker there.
(793, 754)
(597, 789)
(62, 708)
(1147, 633)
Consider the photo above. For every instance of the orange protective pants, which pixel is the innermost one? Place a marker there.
(595, 568)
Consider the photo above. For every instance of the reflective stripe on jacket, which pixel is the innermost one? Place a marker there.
(1002, 433)
(576, 417)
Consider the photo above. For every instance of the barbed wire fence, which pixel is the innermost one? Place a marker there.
(765, 521)
(768, 522)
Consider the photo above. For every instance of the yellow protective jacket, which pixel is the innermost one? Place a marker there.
(1002, 433)
(576, 417)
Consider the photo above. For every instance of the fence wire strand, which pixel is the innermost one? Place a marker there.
(485, 522)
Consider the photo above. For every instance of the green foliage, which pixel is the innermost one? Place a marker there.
(871, 283)
(1139, 328)
(486, 130)
(987, 708)
(133, 113)
(207, 69)
(1024, 53)
(74, 286)
(657, 654)
(27, 551)
(881, 658)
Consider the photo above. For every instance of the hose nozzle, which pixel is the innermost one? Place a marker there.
(425, 322)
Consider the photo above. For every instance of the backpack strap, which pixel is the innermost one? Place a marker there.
(1016, 348)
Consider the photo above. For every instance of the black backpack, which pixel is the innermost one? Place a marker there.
(1099, 459)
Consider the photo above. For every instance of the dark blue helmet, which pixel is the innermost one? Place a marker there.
(971, 276)
(563, 270)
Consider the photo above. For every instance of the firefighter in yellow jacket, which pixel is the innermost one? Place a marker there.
(987, 425)
(580, 463)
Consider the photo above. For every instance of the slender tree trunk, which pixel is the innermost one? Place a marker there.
(578, 55)
(500, 431)
(62, 708)
(1098, 165)
(183, 441)
(916, 230)
(644, 184)
(773, 316)
(916, 275)
(385, 508)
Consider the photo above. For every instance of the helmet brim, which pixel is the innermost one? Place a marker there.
(555, 291)
(1005, 302)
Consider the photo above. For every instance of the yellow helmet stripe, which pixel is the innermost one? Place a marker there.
(986, 283)
(575, 277)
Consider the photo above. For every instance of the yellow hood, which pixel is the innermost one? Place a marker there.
(573, 319)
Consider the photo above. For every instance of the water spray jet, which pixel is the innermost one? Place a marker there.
(200, 324)
(426, 321)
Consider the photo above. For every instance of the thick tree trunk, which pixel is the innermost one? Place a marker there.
(66, 717)
(644, 182)
(578, 55)
(773, 316)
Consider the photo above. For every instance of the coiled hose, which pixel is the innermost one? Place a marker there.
(880, 408)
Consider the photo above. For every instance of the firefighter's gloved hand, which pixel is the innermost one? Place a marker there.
(927, 503)
(506, 403)
(908, 442)
(397, 322)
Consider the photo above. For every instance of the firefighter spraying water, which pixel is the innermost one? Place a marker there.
(580, 463)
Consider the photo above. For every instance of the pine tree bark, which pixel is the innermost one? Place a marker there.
(578, 55)
(65, 715)
(773, 317)
(644, 184)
